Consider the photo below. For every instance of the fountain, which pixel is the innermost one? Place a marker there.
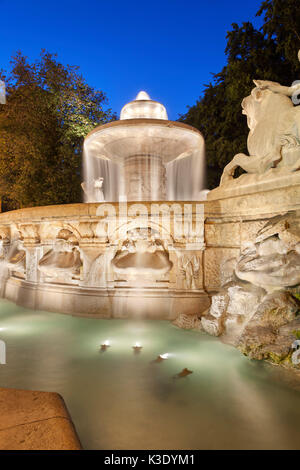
(145, 244)
(135, 247)
(257, 306)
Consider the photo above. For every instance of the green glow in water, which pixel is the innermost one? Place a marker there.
(122, 400)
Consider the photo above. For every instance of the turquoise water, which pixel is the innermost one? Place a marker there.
(122, 400)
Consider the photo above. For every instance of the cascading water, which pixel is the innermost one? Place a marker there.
(143, 157)
(119, 260)
(96, 169)
(186, 177)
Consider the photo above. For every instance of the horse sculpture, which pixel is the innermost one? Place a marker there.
(274, 137)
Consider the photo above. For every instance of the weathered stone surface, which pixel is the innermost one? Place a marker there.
(249, 231)
(35, 421)
(277, 309)
(264, 336)
(244, 299)
(219, 304)
(98, 259)
(252, 305)
(212, 325)
(277, 347)
(232, 307)
(227, 271)
(188, 322)
(274, 129)
(254, 338)
(251, 310)
(189, 272)
(273, 260)
(222, 234)
(255, 196)
(24, 406)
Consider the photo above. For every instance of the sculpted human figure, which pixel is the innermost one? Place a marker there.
(94, 194)
(274, 137)
(98, 189)
(190, 268)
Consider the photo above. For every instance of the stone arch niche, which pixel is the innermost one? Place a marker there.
(142, 257)
(62, 262)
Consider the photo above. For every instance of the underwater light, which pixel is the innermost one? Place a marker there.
(137, 347)
(164, 356)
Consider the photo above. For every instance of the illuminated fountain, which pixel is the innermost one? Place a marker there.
(135, 247)
(143, 157)
(146, 244)
(143, 246)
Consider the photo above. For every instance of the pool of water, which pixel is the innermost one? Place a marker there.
(122, 400)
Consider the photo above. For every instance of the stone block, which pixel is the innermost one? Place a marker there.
(33, 420)
(214, 259)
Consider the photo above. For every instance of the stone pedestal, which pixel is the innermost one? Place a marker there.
(253, 196)
(145, 178)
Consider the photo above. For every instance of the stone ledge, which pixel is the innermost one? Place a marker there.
(246, 184)
(31, 420)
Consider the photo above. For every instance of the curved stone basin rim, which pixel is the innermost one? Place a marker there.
(120, 139)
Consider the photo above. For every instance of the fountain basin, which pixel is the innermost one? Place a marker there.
(122, 400)
(96, 260)
(118, 140)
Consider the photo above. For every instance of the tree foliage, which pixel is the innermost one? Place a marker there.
(282, 24)
(268, 54)
(49, 110)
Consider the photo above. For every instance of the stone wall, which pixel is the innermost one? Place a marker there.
(234, 214)
(82, 258)
(106, 259)
(35, 421)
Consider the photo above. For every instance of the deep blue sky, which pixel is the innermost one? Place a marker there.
(167, 47)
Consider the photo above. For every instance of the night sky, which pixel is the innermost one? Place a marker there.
(167, 47)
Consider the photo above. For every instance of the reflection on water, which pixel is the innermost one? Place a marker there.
(123, 400)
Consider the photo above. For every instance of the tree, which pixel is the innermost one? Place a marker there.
(50, 109)
(251, 54)
(282, 23)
